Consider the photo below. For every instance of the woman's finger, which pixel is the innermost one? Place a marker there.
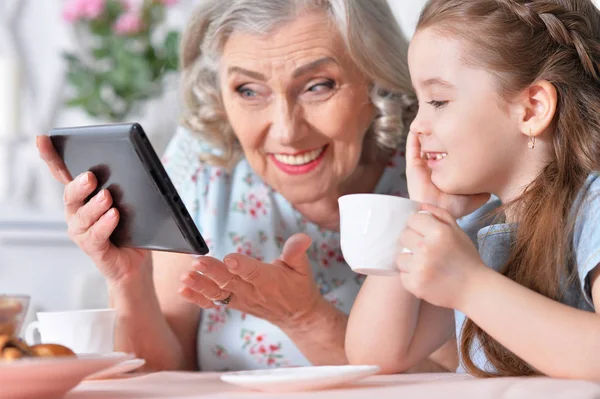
(220, 274)
(294, 253)
(247, 268)
(195, 297)
(203, 285)
(77, 191)
(50, 156)
(90, 213)
(96, 240)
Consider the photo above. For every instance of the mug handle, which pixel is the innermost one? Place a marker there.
(30, 336)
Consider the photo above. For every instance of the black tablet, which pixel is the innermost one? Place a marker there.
(152, 215)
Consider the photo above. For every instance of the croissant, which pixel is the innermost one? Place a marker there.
(51, 350)
(12, 348)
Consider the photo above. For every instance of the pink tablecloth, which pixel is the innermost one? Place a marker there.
(178, 385)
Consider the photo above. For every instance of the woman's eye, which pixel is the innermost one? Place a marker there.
(322, 86)
(246, 92)
(437, 104)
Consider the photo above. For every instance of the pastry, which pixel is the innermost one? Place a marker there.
(51, 350)
(12, 348)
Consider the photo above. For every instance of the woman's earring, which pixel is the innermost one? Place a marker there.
(531, 144)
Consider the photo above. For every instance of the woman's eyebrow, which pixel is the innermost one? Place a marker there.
(247, 72)
(297, 72)
(313, 65)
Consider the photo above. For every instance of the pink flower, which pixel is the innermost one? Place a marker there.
(76, 10)
(71, 12)
(92, 9)
(129, 23)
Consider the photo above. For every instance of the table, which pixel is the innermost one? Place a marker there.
(187, 385)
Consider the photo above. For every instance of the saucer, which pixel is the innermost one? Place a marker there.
(128, 364)
(298, 378)
(120, 368)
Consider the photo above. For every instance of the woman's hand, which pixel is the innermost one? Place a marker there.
(442, 261)
(422, 189)
(91, 223)
(283, 292)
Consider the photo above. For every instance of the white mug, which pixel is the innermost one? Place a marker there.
(370, 225)
(83, 331)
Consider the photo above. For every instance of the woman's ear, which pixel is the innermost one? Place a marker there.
(538, 102)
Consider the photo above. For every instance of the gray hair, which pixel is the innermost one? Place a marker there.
(373, 40)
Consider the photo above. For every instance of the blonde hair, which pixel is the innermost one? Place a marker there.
(368, 28)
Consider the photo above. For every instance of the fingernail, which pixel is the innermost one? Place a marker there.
(187, 279)
(231, 262)
(85, 179)
(201, 267)
(112, 213)
(101, 196)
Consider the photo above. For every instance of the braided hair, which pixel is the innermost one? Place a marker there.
(521, 42)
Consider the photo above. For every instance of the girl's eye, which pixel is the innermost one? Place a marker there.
(437, 104)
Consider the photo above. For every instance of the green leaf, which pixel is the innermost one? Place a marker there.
(118, 78)
(100, 27)
(101, 52)
(171, 48)
(81, 78)
(70, 57)
(76, 102)
(114, 8)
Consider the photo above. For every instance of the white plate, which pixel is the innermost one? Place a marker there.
(46, 378)
(298, 378)
(123, 367)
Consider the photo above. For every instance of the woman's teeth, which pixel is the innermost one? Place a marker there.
(300, 159)
(433, 156)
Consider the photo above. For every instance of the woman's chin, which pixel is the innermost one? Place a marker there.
(300, 195)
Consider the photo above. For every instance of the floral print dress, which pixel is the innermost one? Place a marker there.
(238, 212)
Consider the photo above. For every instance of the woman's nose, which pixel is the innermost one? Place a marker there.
(287, 124)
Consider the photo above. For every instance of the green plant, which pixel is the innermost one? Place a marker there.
(124, 55)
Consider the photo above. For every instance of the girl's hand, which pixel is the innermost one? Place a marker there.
(443, 260)
(422, 189)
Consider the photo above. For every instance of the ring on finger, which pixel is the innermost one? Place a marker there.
(223, 302)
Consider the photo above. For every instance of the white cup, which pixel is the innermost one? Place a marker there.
(83, 331)
(370, 225)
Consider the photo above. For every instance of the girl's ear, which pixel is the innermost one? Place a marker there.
(538, 103)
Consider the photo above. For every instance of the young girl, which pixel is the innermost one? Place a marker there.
(509, 104)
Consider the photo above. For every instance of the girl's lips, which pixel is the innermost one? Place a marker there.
(435, 156)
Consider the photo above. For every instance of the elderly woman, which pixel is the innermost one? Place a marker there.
(289, 104)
